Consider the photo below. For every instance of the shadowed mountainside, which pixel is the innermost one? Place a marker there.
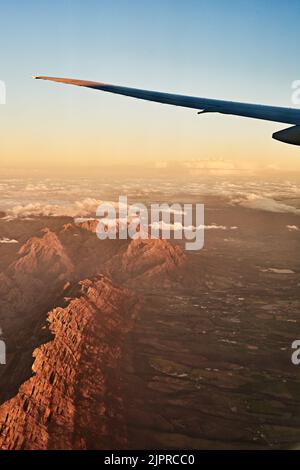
(191, 350)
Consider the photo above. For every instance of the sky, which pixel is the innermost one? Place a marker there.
(238, 50)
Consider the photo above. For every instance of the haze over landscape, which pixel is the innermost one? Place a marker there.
(139, 343)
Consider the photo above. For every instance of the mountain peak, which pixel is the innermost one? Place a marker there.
(45, 254)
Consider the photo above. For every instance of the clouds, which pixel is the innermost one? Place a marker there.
(83, 208)
(177, 226)
(87, 207)
(293, 228)
(268, 204)
(277, 271)
(36, 187)
(80, 197)
(7, 240)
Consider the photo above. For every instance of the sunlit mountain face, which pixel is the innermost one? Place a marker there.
(171, 348)
(137, 342)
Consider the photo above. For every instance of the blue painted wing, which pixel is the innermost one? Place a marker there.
(256, 111)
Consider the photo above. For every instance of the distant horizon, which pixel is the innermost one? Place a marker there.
(242, 51)
(173, 170)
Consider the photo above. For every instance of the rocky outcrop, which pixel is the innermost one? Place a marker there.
(43, 255)
(73, 400)
(36, 278)
(31, 286)
(146, 259)
(67, 394)
(87, 224)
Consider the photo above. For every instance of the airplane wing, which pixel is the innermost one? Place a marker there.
(256, 111)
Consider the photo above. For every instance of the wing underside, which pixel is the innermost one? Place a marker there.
(203, 105)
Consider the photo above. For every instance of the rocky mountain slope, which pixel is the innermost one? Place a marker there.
(60, 387)
(139, 345)
(73, 399)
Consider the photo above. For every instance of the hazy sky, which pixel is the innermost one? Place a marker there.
(237, 49)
